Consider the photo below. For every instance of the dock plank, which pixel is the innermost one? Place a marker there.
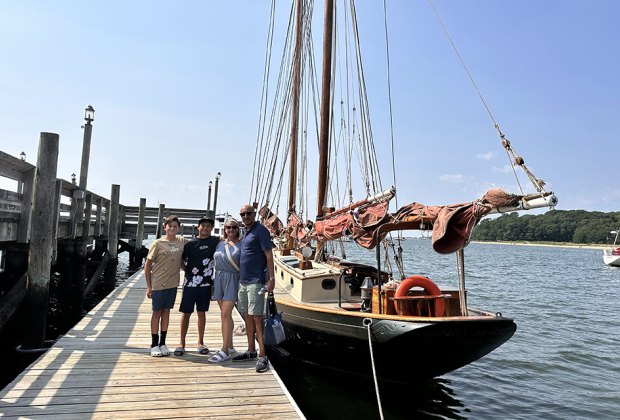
(102, 369)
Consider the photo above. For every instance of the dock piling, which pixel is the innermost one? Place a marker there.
(140, 234)
(40, 255)
(160, 220)
(113, 222)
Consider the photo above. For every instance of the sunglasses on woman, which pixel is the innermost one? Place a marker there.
(231, 227)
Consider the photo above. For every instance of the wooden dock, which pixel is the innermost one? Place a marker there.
(102, 369)
(49, 225)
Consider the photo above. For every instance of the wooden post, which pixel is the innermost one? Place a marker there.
(113, 222)
(72, 215)
(460, 266)
(140, 232)
(121, 220)
(23, 230)
(88, 209)
(160, 220)
(81, 257)
(88, 130)
(98, 220)
(40, 258)
(56, 214)
(106, 224)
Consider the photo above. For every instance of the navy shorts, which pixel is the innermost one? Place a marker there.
(163, 299)
(200, 297)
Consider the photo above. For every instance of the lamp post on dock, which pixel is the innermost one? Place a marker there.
(89, 116)
(217, 181)
(209, 196)
(80, 194)
(82, 216)
(20, 184)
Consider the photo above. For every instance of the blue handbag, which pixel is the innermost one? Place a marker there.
(274, 330)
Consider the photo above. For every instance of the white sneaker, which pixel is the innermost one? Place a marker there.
(164, 350)
(156, 352)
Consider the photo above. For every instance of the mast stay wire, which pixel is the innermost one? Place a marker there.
(271, 144)
(513, 157)
(263, 105)
(389, 86)
(397, 253)
(370, 154)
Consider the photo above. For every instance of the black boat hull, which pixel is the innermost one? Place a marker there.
(403, 351)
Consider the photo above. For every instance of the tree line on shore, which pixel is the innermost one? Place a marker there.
(576, 226)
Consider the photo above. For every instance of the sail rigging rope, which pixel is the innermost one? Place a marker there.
(397, 259)
(367, 322)
(513, 158)
(386, 260)
(389, 86)
(263, 108)
(366, 138)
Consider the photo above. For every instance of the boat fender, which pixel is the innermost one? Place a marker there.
(430, 288)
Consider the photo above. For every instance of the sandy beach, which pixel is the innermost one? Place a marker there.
(551, 244)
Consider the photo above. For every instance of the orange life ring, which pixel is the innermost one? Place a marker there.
(429, 287)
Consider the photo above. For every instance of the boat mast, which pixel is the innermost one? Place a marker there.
(292, 183)
(292, 187)
(325, 106)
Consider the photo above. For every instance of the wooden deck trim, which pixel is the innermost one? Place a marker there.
(283, 297)
(102, 369)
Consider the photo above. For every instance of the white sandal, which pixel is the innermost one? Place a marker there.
(219, 357)
(155, 351)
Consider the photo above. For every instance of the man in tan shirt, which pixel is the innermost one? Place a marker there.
(161, 272)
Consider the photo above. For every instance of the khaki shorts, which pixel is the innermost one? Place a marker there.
(250, 301)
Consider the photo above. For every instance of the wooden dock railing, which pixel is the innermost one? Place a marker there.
(81, 231)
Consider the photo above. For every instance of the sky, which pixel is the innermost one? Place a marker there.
(176, 87)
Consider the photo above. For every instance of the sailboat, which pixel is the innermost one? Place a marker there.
(353, 317)
(611, 256)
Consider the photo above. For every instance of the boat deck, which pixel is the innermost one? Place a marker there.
(102, 369)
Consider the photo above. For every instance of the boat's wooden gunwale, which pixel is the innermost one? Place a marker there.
(284, 298)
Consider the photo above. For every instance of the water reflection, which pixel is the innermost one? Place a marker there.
(323, 394)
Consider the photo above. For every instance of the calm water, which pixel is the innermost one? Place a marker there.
(563, 362)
